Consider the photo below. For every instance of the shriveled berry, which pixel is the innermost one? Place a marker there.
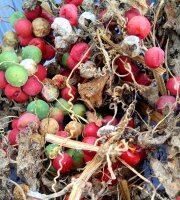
(139, 26)
(173, 85)
(23, 27)
(69, 12)
(120, 62)
(52, 150)
(90, 130)
(75, 2)
(154, 57)
(135, 72)
(164, 100)
(63, 163)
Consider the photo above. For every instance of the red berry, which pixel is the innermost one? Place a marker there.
(65, 93)
(89, 140)
(90, 130)
(130, 124)
(69, 12)
(88, 157)
(143, 79)
(14, 123)
(64, 134)
(46, 15)
(24, 41)
(71, 63)
(22, 97)
(139, 26)
(63, 162)
(79, 50)
(154, 57)
(12, 92)
(178, 198)
(12, 136)
(65, 72)
(75, 2)
(38, 42)
(141, 152)
(33, 14)
(134, 70)
(49, 52)
(56, 114)
(32, 86)
(41, 72)
(108, 118)
(130, 157)
(164, 100)
(173, 85)
(132, 12)
(120, 62)
(3, 81)
(23, 27)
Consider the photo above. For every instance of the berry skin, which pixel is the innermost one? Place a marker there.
(38, 42)
(66, 90)
(69, 12)
(89, 140)
(139, 26)
(12, 136)
(33, 14)
(120, 62)
(154, 57)
(88, 157)
(23, 27)
(64, 134)
(49, 52)
(108, 118)
(24, 41)
(14, 123)
(56, 114)
(164, 100)
(134, 70)
(90, 130)
(64, 162)
(143, 79)
(75, 2)
(78, 51)
(3, 81)
(32, 87)
(21, 98)
(173, 85)
(79, 109)
(41, 72)
(132, 12)
(12, 92)
(71, 63)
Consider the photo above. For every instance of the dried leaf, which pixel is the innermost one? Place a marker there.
(92, 117)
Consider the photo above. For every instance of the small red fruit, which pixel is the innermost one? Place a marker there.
(90, 130)
(88, 157)
(154, 57)
(139, 26)
(38, 42)
(108, 118)
(32, 86)
(134, 70)
(12, 92)
(24, 41)
(173, 85)
(120, 62)
(3, 81)
(79, 50)
(71, 63)
(164, 100)
(132, 12)
(49, 52)
(89, 140)
(143, 79)
(46, 15)
(64, 134)
(23, 27)
(56, 114)
(141, 152)
(22, 97)
(65, 93)
(33, 14)
(63, 162)
(69, 12)
(14, 123)
(41, 72)
(75, 2)
(12, 136)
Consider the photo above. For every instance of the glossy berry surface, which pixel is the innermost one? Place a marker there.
(66, 93)
(173, 85)
(90, 130)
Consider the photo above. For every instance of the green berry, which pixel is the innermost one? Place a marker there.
(39, 108)
(15, 17)
(79, 109)
(16, 75)
(64, 59)
(32, 52)
(77, 156)
(7, 59)
(64, 103)
(52, 150)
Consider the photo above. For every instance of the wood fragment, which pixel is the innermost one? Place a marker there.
(125, 189)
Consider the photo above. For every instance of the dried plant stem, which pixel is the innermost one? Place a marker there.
(125, 189)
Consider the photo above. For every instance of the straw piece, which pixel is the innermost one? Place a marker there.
(125, 189)
(160, 83)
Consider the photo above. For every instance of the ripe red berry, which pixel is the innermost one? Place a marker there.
(14, 123)
(130, 157)
(108, 118)
(90, 130)
(12, 136)
(64, 134)
(11, 92)
(65, 93)
(143, 79)
(71, 63)
(173, 85)
(120, 62)
(141, 152)
(22, 97)
(46, 15)
(49, 52)
(88, 157)
(75, 2)
(63, 162)
(33, 14)
(3, 81)
(132, 12)
(41, 72)
(24, 41)
(139, 26)
(154, 57)
(164, 100)
(32, 86)
(38, 42)
(79, 50)
(89, 140)
(23, 27)
(69, 12)
(134, 70)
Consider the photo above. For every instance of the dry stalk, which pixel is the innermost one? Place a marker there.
(125, 189)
